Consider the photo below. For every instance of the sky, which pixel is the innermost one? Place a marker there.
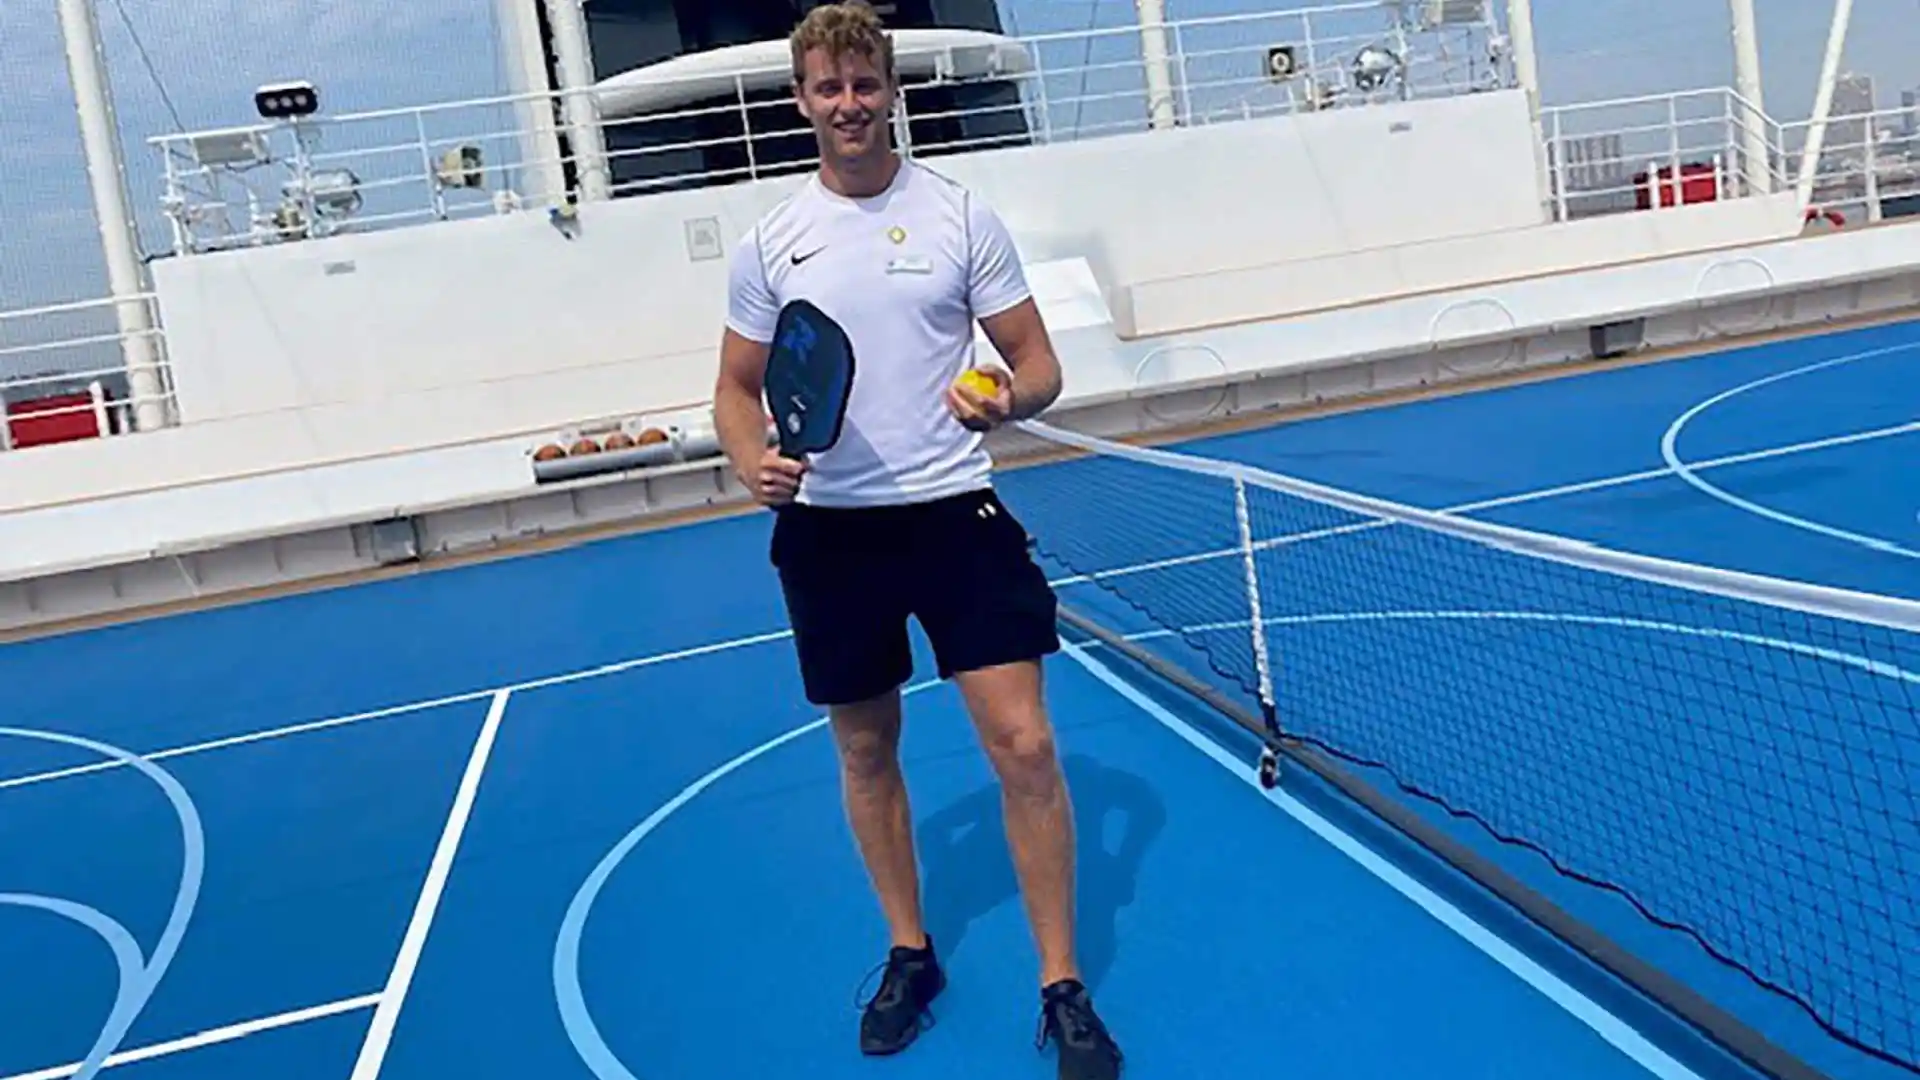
(187, 64)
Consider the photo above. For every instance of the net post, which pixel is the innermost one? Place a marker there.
(1257, 626)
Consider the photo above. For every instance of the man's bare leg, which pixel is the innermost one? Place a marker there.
(867, 735)
(1008, 708)
(874, 792)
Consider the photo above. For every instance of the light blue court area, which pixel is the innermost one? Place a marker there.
(568, 815)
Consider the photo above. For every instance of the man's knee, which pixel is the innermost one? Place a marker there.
(867, 734)
(1024, 757)
(1008, 708)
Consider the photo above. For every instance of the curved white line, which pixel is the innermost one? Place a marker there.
(601, 1060)
(193, 843)
(130, 994)
(1670, 441)
(574, 1014)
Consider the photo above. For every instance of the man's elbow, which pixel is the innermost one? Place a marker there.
(1038, 382)
(1050, 368)
(1050, 378)
(740, 363)
(732, 395)
(737, 380)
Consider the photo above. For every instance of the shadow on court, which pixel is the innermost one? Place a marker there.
(963, 848)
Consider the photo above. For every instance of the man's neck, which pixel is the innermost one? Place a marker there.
(860, 178)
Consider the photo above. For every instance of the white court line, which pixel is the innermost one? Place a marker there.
(1670, 453)
(380, 1032)
(1744, 458)
(214, 1037)
(747, 641)
(409, 707)
(1614, 1030)
(249, 737)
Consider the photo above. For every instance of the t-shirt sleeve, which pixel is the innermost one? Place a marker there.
(751, 308)
(996, 280)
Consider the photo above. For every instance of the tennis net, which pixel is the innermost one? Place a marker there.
(1737, 756)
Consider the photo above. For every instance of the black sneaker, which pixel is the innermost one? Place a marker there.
(899, 1011)
(1087, 1052)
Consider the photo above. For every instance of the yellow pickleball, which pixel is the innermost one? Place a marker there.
(979, 382)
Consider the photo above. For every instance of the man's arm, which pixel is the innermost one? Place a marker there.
(1020, 336)
(739, 421)
(1008, 315)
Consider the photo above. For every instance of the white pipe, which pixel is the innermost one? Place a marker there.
(1153, 52)
(97, 394)
(106, 175)
(1871, 159)
(1526, 59)
(1747, 83)
(538, 180)
(1526, 73)
(573, 61)
(1823, 98)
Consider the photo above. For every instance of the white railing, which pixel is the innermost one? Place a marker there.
(67, 371)
(404, 166)
(269, 183)
(280, 182)
(276, 182)
(1869, 167)
(1609, 157)
(1224, 68)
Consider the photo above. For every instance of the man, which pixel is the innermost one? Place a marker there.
(899, 519)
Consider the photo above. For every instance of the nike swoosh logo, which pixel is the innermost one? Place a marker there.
(798, 258)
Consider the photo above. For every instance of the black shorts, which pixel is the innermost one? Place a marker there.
(854, 576)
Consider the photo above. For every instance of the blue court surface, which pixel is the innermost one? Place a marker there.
(568, 814)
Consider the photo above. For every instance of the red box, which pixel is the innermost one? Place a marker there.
(56, 418)
(1699, 182)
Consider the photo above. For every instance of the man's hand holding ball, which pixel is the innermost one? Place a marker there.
(981, 398)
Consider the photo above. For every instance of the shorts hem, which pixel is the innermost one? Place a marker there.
(834, 700)
(1033, 653)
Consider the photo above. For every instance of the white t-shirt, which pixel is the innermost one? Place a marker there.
(906, 273)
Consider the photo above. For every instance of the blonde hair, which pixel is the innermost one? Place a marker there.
(842, 28)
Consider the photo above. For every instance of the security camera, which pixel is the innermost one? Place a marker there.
(287, 100)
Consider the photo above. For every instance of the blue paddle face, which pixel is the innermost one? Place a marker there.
(808, 380)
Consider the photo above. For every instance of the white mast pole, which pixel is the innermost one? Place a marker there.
(1823, 98)
(573, 60)
(1526, 57)
(1747, 83)
(106, 175)
(539, 178)
(1153, 52)
(1526, 72)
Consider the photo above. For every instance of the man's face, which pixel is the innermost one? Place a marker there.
(847, 100)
